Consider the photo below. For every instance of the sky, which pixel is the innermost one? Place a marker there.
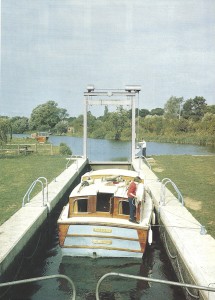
(52, 49)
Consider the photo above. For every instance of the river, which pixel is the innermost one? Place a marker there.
(107, 150)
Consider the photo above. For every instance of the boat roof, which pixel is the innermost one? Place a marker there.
(110, 172)
(110, 181)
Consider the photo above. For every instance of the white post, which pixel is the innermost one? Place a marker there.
(133, 137)
(85, 127)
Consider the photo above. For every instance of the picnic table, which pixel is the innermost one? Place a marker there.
(26, 149)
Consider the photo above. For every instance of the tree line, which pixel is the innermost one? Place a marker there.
(186, 121)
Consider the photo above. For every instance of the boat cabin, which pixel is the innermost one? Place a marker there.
(102, 196)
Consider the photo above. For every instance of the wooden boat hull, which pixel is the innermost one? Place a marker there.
(102, 241)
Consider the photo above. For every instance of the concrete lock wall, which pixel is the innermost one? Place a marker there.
(191, 253)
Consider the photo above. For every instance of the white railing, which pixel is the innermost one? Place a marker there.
(28, 193)
(164, 182)
(193, 286)
(30, 280)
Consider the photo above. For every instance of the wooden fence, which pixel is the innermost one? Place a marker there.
(25, 149)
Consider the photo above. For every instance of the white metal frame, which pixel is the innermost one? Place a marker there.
(103, 97)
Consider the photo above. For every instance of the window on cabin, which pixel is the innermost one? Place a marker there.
(123, 207)
(103, 202)
(80, 205)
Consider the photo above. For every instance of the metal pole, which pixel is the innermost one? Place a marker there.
(23, 281)
(133, 129)
(85, 127)
(193, 286)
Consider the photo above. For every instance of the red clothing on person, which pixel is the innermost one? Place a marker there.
(132, 190)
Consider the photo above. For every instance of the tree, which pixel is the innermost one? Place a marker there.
(46, 116)
(172, 108)
(61, 127)
(139, 112)
(153, 124)
(157, 111)
(5, 130)
(117, 122)
(91, 120)
(194, 108)
(143, 113)
(208, 123)
(19, 124)
(210, 109)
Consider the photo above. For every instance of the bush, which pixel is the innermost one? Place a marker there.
(64, 149)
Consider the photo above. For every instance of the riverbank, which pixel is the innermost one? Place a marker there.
(181, 139)
(185, 139)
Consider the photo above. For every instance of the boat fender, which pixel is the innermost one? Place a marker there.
(150, 236)
(153, 218)
(48, 207)
(140, 192)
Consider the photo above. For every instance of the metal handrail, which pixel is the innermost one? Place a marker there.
(146, 161)
(32, 187)
(164, 182)
(198, 287)
(74, 158)
(5, 284)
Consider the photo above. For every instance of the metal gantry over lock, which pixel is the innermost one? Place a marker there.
(111, 97)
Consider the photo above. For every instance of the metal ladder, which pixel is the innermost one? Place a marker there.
(41, 180)
(164, 182)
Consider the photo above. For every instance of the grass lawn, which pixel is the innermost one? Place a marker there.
(18, 173)
(195, 178)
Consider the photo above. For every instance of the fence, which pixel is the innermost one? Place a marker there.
(17, 149)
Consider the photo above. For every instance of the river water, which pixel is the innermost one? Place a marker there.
(105, 150)
(86, 272)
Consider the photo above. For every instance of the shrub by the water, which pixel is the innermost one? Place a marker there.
(64, 149)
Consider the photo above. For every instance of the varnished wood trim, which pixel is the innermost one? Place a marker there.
(62, 232)
(102, 247)
(129, 226)
(142, 234)
(104, 236)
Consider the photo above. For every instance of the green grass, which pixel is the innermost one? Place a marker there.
(18, 173)
(195, 178)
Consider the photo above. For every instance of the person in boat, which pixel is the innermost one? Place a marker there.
(131, 198)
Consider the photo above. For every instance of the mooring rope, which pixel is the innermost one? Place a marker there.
(178, 266)
(37, 245)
